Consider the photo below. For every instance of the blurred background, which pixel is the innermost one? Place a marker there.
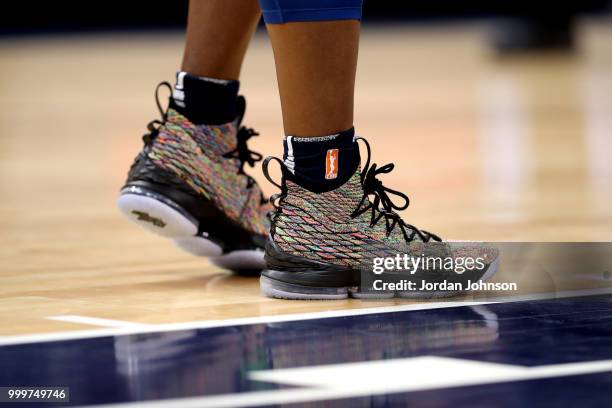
(42, 17)
(498, 116)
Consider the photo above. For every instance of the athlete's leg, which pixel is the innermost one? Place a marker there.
(331, 218)
(315, 63)
(315, 66)
(218, 34)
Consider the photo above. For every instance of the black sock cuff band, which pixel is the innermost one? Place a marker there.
(321, 163)
(205, 100)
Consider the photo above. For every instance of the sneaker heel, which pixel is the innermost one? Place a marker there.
(156, 213)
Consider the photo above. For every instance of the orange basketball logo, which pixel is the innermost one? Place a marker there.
(331, 164)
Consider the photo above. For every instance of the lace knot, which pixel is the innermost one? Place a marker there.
(373, 186)
(242, 152)
(382, 206)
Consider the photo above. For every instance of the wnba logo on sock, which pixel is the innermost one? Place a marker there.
(331, 164)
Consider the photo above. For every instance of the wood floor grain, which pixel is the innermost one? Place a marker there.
(487, 148)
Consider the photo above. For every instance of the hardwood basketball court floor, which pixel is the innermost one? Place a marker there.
(487, 148)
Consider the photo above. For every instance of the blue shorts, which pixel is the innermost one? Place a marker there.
(285, 11)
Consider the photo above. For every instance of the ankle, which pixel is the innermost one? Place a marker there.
(205, 101)
(321, 164)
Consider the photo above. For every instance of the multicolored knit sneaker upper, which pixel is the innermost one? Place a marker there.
(195, 153)
(320, 227)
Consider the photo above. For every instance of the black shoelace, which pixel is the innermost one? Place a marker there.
(154, 125)
(275, 198)
(243, 154)
(382, 206)
(246, 156)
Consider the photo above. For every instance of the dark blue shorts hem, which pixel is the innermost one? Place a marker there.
(319, 14)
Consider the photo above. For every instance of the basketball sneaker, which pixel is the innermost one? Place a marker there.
(320, 243)
(188, 184)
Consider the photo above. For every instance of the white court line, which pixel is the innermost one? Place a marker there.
(362, 379)
(205, 324)
(97, 321)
